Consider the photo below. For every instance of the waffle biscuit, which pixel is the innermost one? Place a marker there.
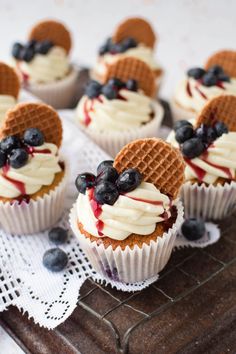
(136, 28)
(133, 68)
(52, 31)
(224, 58)
(157, 161)
(133, 239)
(33, 115)
(221, 108)
(9, 81)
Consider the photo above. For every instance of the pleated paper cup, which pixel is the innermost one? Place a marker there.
(129, 265)
(208, 202)
(36, 215)
(180, 113)
(112, 142)
(59, 94)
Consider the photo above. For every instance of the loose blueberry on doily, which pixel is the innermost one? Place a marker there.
(58, 235)
(55, 259)
(193, 229)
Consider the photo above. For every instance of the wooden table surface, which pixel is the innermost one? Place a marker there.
(190, 309)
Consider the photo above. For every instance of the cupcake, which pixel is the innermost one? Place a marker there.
(9, 89)
(44, 66)
(126, 217)
(122, 109)
(134, 37)
(218, 77)
(209, 150)
(32, 174)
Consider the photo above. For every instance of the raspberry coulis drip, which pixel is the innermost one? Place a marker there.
(97, 211)
(145, 200)
(31, 151)
(219, 84)
(19, 185)
(89, 107)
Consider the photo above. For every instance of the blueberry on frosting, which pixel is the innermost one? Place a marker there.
(214, 75)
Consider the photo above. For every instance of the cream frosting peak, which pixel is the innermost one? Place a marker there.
(135, 212)
(102, 114)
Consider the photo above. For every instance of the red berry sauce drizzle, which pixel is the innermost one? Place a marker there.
(219, 84)
(20, 185)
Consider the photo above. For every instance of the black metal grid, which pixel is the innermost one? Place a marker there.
(216, 258)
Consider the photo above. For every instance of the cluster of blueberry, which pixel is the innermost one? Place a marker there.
(111, 89)
(14, 151)
(108, 184)
(115, 48)
(27, 52)
(195, 141)
(55, 259)
(210, 77)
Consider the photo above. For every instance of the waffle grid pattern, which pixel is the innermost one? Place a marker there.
(226, 59)
(157, 161)
(9, 81)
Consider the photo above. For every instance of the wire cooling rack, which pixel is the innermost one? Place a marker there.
(188, 270)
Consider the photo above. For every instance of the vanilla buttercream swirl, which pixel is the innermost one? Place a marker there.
(219, 160)
(192, 95)
(136, 212)
(124, 114)
(46, 68)
(39, 171)
(140, 52)
(6, 102)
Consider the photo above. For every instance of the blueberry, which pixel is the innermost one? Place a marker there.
(116, 48)
(108, 174)
(181, 123)
(106, 193)
(27, 54)
(103, 49)
(211, 135)
(103, 165)
(31, 44)
(223, 77)
(10, 143)
(216, 70)
(114, 82)
(201, 133)
(192, 148)
(18, 158)
(109, 92)
(16, 50)
(33, 137)
(184, 133)
(221, 128)
(3, 158)
(196, 73)
(84, 181)
(128, 180)
(58, 235)
(132, 85)
(128, 43)
(209, 79)
(193, 229)
(93, 89)
(55, 259)
(43, 47)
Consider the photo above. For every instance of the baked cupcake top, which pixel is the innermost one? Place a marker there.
(125, 100)
(202, 84)
(209, 143)
(9, 89)
(44, 58)
(131, 194)
(133, 37)
(29, 141)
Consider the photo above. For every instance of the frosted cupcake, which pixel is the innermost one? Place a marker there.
(32, 174)
(9, 89)
(209, 150)
(44, 65)
(126, 217)
(200, 85)
(123, 108)
(134, 37)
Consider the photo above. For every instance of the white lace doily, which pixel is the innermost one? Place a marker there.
(49, 298)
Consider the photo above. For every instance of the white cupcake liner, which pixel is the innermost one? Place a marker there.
(129, 265)
(208, 202)
(36, 215)
(180, 113)
(112, 142)
(59, 94)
